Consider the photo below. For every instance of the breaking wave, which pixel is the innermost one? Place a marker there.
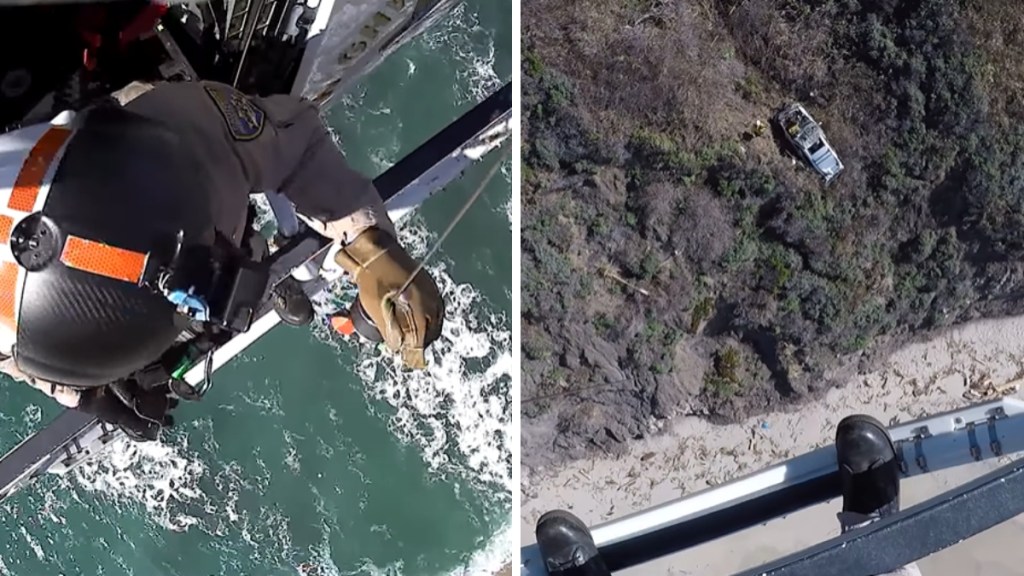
(471, 47)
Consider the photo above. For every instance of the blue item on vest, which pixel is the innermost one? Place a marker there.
(191, 304)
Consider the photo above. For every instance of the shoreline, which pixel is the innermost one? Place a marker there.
(690, 454)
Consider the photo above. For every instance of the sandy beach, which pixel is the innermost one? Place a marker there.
(691, 454)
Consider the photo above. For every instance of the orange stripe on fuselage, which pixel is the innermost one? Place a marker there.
(33, 171)
(103, 259)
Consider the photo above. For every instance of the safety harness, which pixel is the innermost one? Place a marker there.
(221, 289)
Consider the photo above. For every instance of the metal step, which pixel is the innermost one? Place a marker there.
(959, 437)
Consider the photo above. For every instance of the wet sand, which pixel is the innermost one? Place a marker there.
(691, 454)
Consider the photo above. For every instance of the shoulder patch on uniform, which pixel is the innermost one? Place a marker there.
(244, 118)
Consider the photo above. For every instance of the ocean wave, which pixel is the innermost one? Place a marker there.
(494, 555)
(471, 49)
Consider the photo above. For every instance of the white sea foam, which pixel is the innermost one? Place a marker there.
(154, 474)
(471, 48)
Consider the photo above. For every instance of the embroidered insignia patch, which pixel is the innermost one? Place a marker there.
(244, 119)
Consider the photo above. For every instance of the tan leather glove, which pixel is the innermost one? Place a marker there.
(408, 322)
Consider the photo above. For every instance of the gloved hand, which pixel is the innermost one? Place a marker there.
(408, 322)
(140, 413)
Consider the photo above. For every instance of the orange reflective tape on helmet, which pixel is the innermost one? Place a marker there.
(103, 259)
(6, 225)
(8, 294)
(31, 156)
(25, 191)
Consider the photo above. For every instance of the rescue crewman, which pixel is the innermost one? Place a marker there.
(88, 200)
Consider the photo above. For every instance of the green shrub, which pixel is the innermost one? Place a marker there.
(701, 312)
(724, 379)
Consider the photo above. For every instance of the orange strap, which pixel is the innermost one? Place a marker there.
(103, 259)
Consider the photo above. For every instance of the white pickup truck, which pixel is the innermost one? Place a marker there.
(805, 134)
